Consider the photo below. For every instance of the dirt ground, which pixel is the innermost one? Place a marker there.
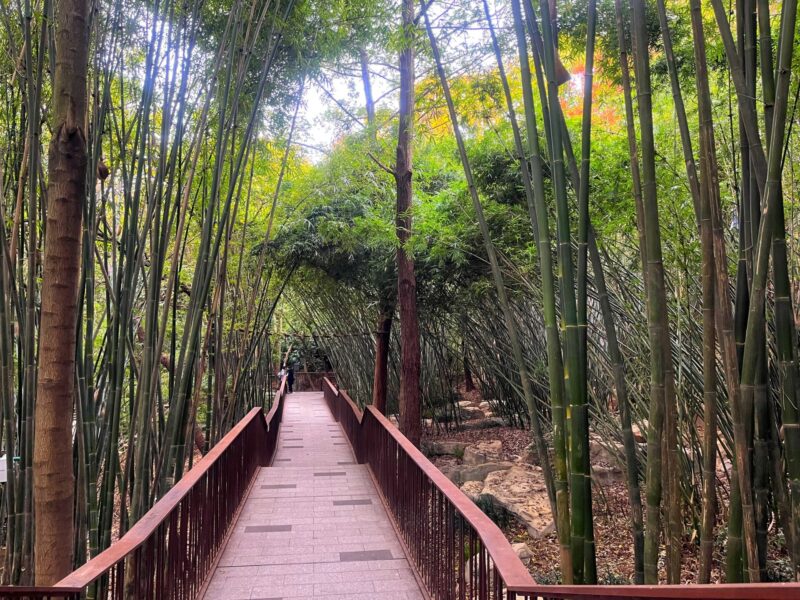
(613, 538)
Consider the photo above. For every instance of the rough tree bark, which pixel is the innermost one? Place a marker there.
(66, 193)
(383, 330)
(383, 335)
(410, 423)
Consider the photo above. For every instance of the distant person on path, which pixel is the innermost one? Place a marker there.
(290, 378)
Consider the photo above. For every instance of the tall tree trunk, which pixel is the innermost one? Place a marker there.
(469, 382)
(410, 414)
(367, 82)
(52, 461)
(383, 331)
(383, 336)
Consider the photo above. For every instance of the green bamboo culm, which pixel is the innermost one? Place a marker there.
(661, 388)
(580, 418)
(577, 418)
(533, 179)
(497, 275)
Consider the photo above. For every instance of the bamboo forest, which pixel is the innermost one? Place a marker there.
(520, 277)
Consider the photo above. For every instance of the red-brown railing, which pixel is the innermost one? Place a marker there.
(458, 552)
(456, 549)
(172, 549)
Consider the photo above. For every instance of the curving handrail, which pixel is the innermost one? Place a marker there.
(705, 591)
(457, 550)
(170, 551)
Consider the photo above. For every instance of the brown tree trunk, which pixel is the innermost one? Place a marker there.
(366, 80)
(66, 194)
(469, 383)
(383, 336)
(410, 423)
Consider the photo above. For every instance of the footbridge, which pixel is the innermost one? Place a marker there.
(318, 498)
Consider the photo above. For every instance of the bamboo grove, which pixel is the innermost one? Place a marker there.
(681, 326)
(590, 219)
(190, 111)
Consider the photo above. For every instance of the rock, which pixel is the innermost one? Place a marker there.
(639, 433)
(484, 406)
(445, 448)
(521, 491)
(604, 452)
(604, 475)
(529, 455)
(472, 489)
(523, 552)
(465, 404)
(482, 452)
(459, 474)
(470, 412)
(484, 423)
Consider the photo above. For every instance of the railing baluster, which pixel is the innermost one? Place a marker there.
(457, 551)
(171, 550)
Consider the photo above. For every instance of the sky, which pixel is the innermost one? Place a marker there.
(318, 130)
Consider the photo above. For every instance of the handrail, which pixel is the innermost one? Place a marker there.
(457, 550)
(141, 531)
(169, 552)
(693, 591)
(495, 572)
(506, 560)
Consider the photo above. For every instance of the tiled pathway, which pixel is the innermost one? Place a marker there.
(313, 525)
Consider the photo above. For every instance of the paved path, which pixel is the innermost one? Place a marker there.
(313, 525)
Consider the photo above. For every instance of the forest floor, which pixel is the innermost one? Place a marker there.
(614, 545)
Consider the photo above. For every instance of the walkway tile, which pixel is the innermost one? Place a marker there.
(313, 525)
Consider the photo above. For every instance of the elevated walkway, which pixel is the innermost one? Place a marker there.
(321, 499)
(313, 524)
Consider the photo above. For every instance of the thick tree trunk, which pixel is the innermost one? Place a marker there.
(410, 423)
(66, 192)
(383, 335)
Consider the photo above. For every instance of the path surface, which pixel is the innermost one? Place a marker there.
(313, 525)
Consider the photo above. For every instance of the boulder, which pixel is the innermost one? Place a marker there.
(523, 552)
(483, 452)
(471, 412)
(607, 453)
(443, 448)
(640, 433)
(472, 489)
(465, 404)
(521, 491)
(459, 474)
(484, 423)
(603, 475)
(484, 406)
